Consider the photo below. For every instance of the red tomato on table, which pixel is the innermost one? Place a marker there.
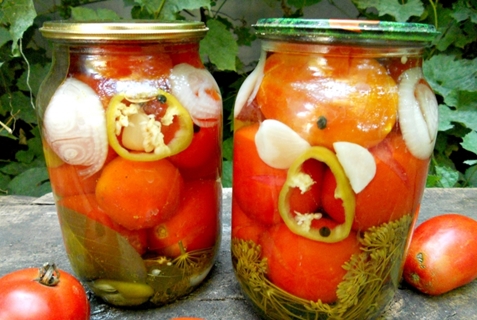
(24, 297)
(443, 254)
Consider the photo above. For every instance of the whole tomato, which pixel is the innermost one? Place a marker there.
(443, 254)
(42, 294)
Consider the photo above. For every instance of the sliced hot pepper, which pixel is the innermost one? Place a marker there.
(152, 146)
(302, 223)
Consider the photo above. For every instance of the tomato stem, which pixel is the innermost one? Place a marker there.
(48, 274)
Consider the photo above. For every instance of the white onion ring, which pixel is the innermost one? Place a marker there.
(74, 125)
(249, 88)
(190, 85)
(418, 115)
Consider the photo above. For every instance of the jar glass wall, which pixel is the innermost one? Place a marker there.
(333, 132)
(131, 123)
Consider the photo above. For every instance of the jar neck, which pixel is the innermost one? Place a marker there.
(342, 49)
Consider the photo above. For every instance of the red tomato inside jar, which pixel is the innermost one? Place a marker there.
(131, 126)
(334, 130)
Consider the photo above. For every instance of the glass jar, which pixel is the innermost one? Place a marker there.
(333, 132)
(131, 124)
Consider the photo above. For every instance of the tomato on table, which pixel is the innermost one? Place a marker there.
(87, 205)
(305, 268)
(362, 111)
(442, 254)
(34, 293)
(195, 224)
(139, 194)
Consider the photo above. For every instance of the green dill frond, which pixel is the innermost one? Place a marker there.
(367, 287)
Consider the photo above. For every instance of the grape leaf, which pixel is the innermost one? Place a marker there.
(220, 46)
(87, 14)
(447, 75)
(32, 182)
(167, 9)
(400, 11)
(18, 23)
(35, 77)
(462, 12)
(19, 105)
(302, 3)
(469, 142)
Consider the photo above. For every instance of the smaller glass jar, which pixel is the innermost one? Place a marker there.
(333, 132)
(131, 123)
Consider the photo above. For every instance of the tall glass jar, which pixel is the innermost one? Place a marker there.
(333, 132)
(131, 123)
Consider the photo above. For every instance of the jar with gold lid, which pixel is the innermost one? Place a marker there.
(131, 124)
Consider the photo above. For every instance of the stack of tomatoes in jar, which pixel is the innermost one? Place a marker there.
(331, 150)
(132, 138)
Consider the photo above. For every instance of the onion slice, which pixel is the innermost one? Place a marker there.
(74, 125)
(249, 88)
(198, 92)
(278, 145)
(357, 162)
(418, 116)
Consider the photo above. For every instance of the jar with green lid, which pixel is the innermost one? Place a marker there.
(333, 133)
(131, 124)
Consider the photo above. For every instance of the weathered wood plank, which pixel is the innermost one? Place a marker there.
(30, 235)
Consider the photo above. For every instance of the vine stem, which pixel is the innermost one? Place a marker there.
(434, 9)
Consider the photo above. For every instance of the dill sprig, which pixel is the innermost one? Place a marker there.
(369, 284)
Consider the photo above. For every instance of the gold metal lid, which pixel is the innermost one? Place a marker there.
(123, 30)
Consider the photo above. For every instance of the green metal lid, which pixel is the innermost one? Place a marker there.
(123, 30)
(344, 31)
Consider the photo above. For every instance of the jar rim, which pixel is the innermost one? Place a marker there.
(345, 30)
(123, 30)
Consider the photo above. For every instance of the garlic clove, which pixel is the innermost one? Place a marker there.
(198, 92)
(418, 114)
(74, 126)
(357, 162)
(278, 145)
(248, 90)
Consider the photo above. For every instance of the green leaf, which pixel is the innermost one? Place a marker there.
(172, 7)
(302, 3)
(18, 105)
(220, 46)
(447, 74)
(4, 36)
(167, 9)
(227, 148)
(19, 15)
(35, 77)
(445, 118)
(32, 182)
(400, 11)
(469, 142)
(465, 115)
(98, 252)
(448, 176)
(463, 11)
(471, 176)
(4, 181)
(87, 14)
(227, 174)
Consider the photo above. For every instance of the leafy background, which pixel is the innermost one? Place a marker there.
(450, 67)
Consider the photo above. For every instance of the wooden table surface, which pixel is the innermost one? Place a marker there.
(30, 235)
